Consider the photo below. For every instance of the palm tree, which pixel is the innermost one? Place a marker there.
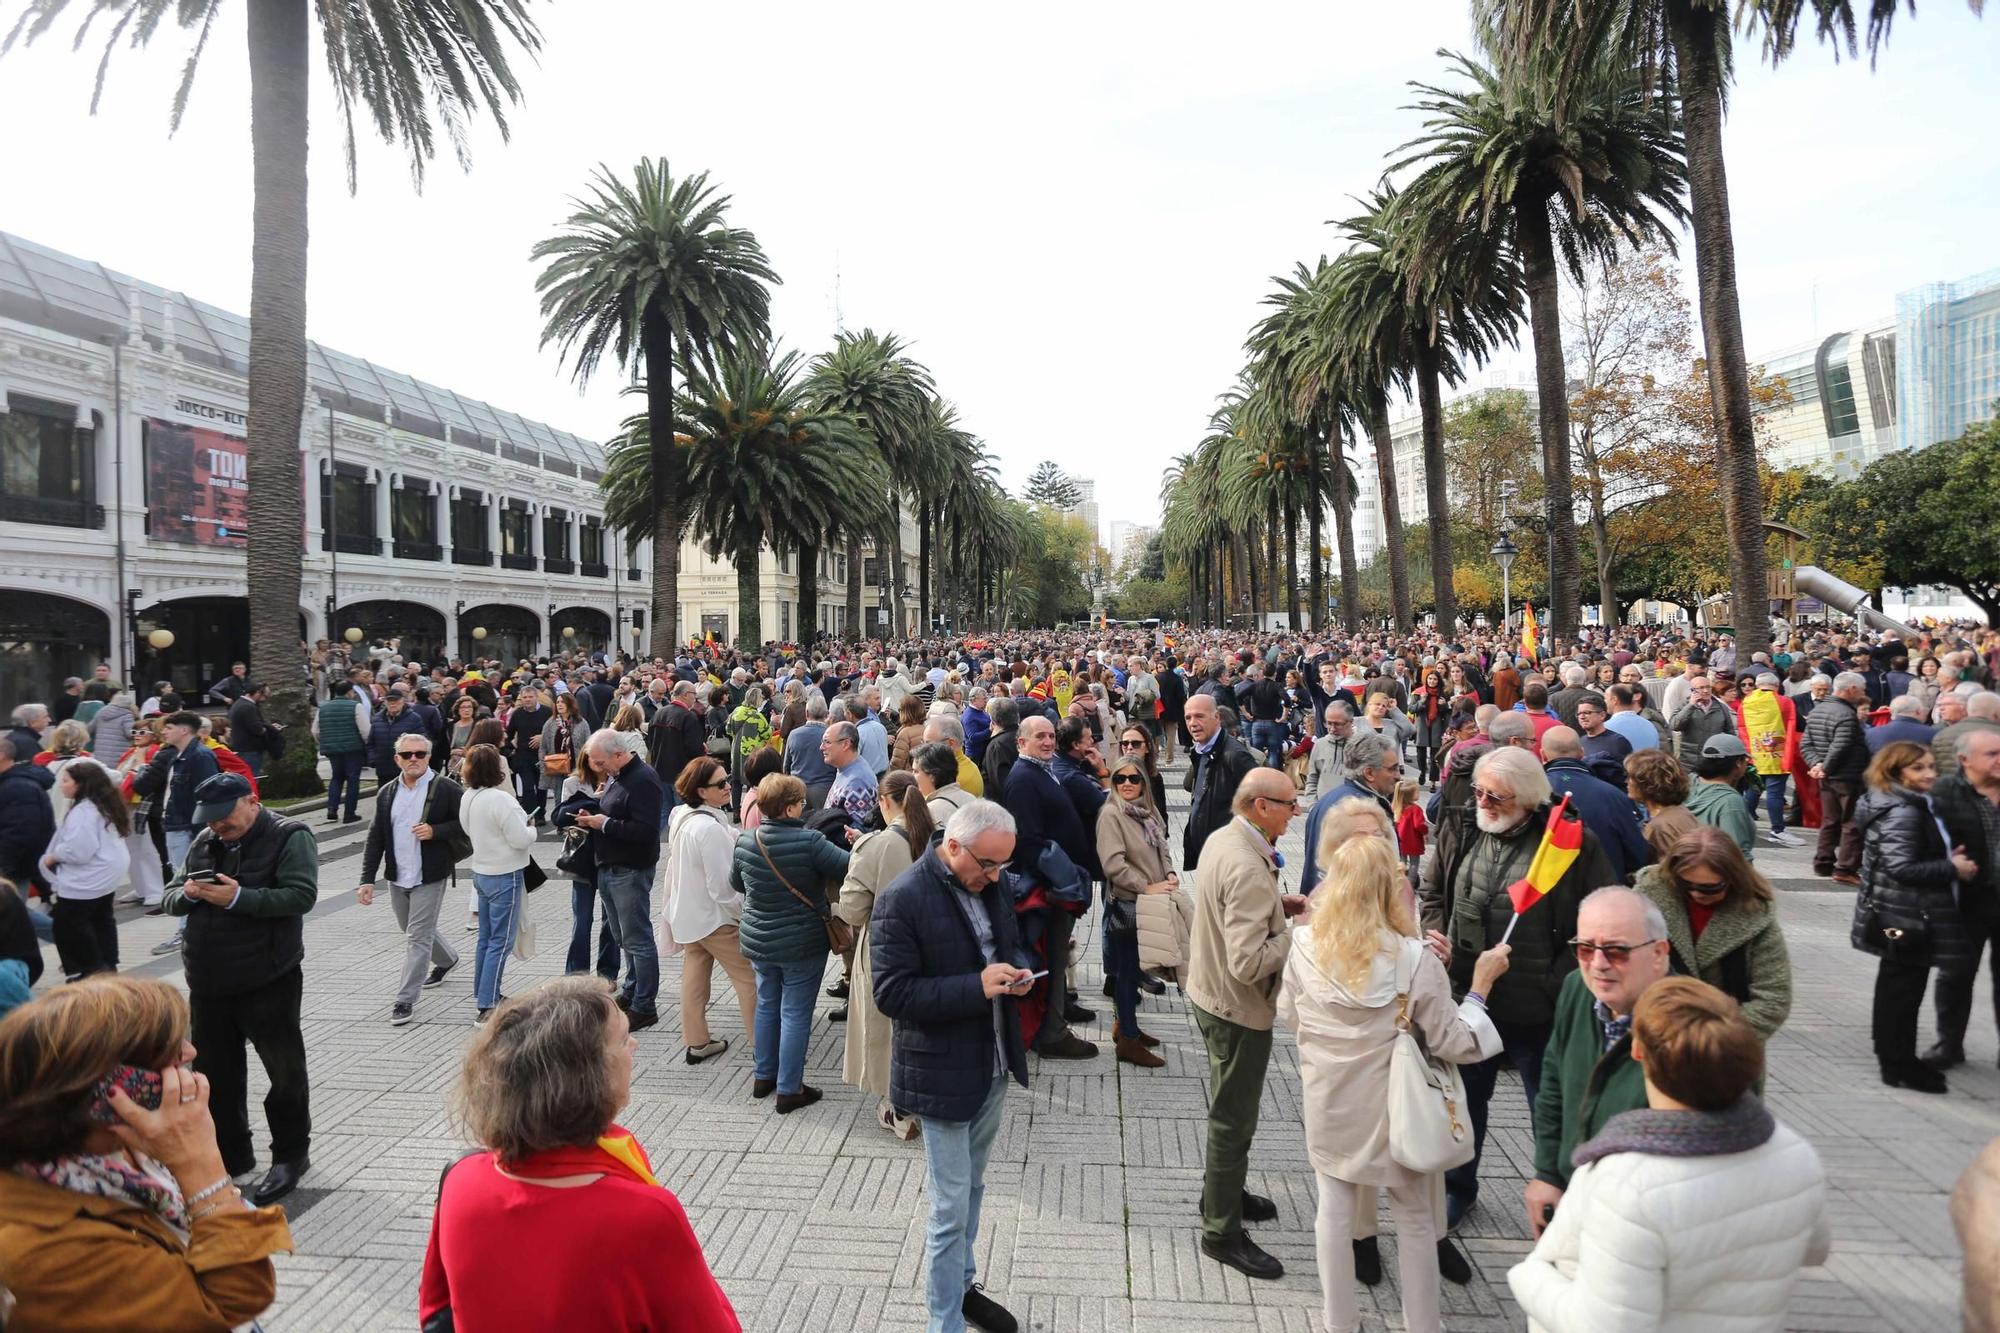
(1495, 157)
(763, 464)
(1193, 530)
(1414, 320)
(870, 377)
(1685, 46)
(408, 64)
(648, 272)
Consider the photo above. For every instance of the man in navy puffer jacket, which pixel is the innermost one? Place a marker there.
(946, 967)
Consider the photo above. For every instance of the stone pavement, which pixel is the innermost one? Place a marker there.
(815, 1220)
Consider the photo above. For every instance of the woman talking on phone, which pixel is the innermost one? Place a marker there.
(115, 1209)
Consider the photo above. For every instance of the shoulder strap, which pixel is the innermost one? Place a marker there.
(1406, 977)
(758, 838)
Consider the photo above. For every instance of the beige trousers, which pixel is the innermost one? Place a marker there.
(698, 965)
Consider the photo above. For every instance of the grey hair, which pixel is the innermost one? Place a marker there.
(1518, 766)
(1819, 678)
(536, 1076)
(1906, 705)
(28, 714)
(1004, 712)
(1574, 675)
(937, 760)
(837, 710)
(815, 706)
(1346, 709)
(1368, 750)
(1656, 920)
(753, 697)
(1351, 808)
(1849, 680)
(1984, 704)
(1510, 726)
(683, 689)
(976, 696)
(949, 728)
(975, 819)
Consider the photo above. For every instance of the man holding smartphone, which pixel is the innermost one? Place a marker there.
(249, 879)
(947, 969)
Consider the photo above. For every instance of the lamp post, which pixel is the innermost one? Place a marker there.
(1503, 554)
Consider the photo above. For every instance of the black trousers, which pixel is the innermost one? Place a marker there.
(268, 1019)
(1899, 998)
(1952, 994)
(86, 935)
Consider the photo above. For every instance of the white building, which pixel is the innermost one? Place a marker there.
(1085, 507)
(456, 526)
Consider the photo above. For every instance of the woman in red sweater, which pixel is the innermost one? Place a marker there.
(560, 1184)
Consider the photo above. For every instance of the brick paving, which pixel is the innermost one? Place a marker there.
(815, 1220)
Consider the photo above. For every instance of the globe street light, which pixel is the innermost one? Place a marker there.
(161, 639)
(1503, 554)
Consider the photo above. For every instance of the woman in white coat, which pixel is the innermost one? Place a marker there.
(698, 908)
(86, 862)
(501, 837)
(1695, 1214)
(1340, 995)
(876, 859)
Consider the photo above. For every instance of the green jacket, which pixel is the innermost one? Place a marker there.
(1583, 1085)
(1741, 953)
(1722, 807)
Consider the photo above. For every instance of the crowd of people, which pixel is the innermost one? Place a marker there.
(1539, 861)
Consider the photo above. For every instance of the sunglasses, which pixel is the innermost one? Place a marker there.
(1713, 887)
(1615, 954)
(1131, 745)
(1485, 797)
(413, 754)
(1128, 780)
(719, 784)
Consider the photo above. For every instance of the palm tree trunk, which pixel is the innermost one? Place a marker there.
(894, 572)
(749, 601)
(669, 483)
(1600, 539)
(924, 562)
(853, 627)
(1392, 510)
(280, 53)
(1252, 572)
(1271, 571)
(1444, 591)
(808, 590)
(1220, 585)
(1699, 78)
(1538, 265)
(1343, 526)
(1313, 526)
(1292, 563)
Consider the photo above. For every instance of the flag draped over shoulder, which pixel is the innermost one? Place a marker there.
(1531, 642)
(1561, 843)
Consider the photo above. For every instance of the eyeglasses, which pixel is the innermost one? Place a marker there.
(990, 867)
(413, 754)
(1615, 954)
(1293, 805)
(1485, 797)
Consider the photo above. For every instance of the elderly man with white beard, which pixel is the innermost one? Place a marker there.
(1511, 805)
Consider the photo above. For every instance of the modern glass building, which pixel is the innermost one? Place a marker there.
(1948, 363)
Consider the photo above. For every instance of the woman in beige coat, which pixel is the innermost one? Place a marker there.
(874, 861)
(1340, 997)
(1132, 848)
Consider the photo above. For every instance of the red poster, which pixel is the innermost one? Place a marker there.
(197, 485)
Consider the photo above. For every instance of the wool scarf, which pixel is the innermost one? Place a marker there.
(1734, 1129)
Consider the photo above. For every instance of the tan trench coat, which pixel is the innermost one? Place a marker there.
(874, 860)
(1344, 1044)
(1237, 947)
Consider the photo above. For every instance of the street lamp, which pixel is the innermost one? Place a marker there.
(1503, 554)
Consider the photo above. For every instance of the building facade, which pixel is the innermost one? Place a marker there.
(1840, 413)
(1948, 372)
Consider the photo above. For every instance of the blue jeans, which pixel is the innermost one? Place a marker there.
(345, 778)
(1774, 799)
(1521, 1047)
(582, 906)
(254, 761)
(178, 841)
(785, 994)
(628, 904)
(1270, 738)
(499, 906)
(955, 1168)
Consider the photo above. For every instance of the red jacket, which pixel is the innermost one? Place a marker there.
(614, 1255)
(1411, 830)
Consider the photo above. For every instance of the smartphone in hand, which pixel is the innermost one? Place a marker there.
(141, 1085)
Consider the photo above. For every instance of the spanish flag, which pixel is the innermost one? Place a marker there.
(1561, 843)
(1530, 641)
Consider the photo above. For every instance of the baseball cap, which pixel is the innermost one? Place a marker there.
(217, 796)
(1723, 747)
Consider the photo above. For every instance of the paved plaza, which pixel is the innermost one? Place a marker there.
(815, 1220)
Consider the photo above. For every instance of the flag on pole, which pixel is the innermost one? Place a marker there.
(1562, 841)
(1530, 641)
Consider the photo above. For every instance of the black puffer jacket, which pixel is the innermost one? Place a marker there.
(1833, 738)
(1906, 871)
(777, 927)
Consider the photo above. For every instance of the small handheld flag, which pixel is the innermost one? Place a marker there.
(1561, 843)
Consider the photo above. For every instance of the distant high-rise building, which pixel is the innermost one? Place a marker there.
(1085, 507)
(1947, 358)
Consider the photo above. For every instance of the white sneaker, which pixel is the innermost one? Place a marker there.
(1786, 839)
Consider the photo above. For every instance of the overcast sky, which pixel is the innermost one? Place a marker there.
(1071, 212)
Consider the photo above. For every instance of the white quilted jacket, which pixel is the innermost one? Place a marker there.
(1679, 1244)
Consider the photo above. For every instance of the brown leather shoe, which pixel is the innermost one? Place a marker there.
(1144, 1039)
(1133, 1052)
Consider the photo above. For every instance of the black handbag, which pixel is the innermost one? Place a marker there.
(1898, 938)
(1120, 916)
(579, 854)
(533, 876)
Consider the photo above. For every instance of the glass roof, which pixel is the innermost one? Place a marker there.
(85, 300)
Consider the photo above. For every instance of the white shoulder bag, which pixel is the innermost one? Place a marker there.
(1429, 1129)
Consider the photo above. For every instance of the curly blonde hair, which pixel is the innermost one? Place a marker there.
(1360, 895)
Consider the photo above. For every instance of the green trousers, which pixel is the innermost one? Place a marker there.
(1237, 1060)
